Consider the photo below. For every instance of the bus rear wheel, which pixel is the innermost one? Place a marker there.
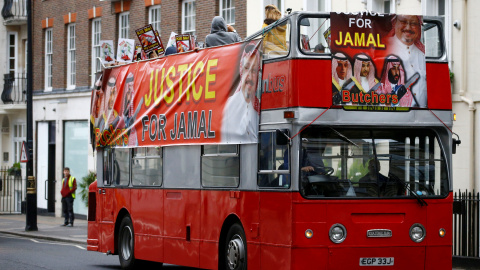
(126, 244)
(235, 248)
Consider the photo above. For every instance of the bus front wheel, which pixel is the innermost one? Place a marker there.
(236, 248)
(126, 244)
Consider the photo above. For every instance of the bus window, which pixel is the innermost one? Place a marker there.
(121, 170)
(147, 166)
(432, 39)
(314, 35)
(276, 40)
(372, 163)
(220, 166)
(273, 162)
(107, 166)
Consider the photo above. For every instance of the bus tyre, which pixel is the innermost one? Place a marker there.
(235, 248)
(126, 244)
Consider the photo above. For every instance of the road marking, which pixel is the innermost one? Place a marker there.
(60, 244)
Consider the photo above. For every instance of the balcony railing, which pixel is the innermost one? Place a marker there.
(14, 12)
(14, 88)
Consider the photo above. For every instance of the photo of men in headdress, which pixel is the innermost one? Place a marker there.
(405, 42)
(240, 115)
(393, 80)
(128, 114)
(364, 73)
(341, 73)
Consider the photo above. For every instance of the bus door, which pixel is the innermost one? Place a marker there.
(105, 204)
(274, 182)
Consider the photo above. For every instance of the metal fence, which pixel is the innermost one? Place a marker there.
(12, 191)
(14, 10)
(466, 224)
(14, 88)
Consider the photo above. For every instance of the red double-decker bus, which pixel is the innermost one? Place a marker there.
(279, 153)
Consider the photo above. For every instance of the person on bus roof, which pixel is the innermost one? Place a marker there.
(275, 39)
(218, 34)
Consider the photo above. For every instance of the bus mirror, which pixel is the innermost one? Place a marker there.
(455, 142)
(282, 136)
(305, 22)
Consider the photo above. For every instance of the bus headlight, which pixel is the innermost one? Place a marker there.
(337, 233)
(417, 232)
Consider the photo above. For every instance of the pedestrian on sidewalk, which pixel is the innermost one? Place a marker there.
(69, 185)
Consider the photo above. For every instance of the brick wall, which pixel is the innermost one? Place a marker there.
(171, 11)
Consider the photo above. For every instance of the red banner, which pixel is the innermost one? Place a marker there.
(378, 59)
(209, 96)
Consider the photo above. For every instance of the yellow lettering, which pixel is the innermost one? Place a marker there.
(348, 39)
(158, 98)
(359, 39)
(339, 41)
(210, 78)
(196, 73)
(371, 41)
(181, 70)
(148, 98)
(169, 97)
(379, 44)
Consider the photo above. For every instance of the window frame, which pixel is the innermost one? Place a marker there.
(223, 9)
(224, 155)
(146, 157)
(286, 172)
(123, 30)
(71, 51)
(15, 52)
(96, 66)
(48, 60)
(158, 10)
(19, 127)
(184, 4)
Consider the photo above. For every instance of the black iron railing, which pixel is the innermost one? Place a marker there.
(12, 191)
(466, 224)
(14, 10)
(14, 88)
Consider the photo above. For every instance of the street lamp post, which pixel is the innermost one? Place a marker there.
(31, 222)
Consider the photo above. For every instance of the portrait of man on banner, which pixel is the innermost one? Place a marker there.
(240, 115)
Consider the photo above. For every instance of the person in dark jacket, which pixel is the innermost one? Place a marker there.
(221, 33)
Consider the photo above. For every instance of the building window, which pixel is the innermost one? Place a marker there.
(317, 5)
(12, 53)
(48, 59)
(227, 11)
(188, 17)
(381, 6)
(96, 37)
(18, 138)
(123, 25)
(71, 57)
(220, 166)
(154, 18)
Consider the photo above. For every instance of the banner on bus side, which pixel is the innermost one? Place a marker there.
(208, 96)
(378, 60)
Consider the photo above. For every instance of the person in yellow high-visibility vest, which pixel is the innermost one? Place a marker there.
(69, 185)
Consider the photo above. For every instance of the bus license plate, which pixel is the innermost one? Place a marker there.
(376, 261)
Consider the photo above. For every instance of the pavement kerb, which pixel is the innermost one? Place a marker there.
(44, 237)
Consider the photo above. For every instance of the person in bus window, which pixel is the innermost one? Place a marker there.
(274, 40)
(342, 72)
(319, 48)
(364, 73)
(240, 115)
(405, 42)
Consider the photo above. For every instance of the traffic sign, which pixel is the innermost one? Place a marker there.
(23, 156)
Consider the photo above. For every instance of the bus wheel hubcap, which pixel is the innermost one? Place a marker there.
(126, 242)
(235, 252)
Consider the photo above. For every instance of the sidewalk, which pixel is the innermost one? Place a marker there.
(49, 228)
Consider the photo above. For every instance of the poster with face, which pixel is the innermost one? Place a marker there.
(378, 60)
(125, 50)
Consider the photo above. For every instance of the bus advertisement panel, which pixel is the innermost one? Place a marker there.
(378, 60)
(203, 97)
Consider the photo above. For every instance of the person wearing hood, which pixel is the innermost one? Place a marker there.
(221, 33)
